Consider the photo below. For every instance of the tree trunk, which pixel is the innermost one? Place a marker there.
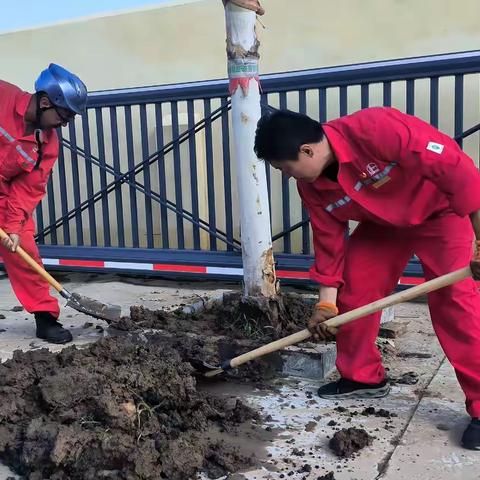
(242, 52)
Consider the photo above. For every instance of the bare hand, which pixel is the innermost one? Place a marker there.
(316, 325)
(11, 242)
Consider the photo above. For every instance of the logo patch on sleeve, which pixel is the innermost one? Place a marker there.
(435, 147)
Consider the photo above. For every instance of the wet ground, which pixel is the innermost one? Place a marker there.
(115, 409)
(127, 406)
(415, 431)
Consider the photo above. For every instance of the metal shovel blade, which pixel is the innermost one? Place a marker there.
(94, 308)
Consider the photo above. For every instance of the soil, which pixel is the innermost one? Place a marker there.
(381, 412)
(236, 317)
(348, 441)
(223, 331)
(414, 355)
(118, 409)
(408, 378)
(328, 476)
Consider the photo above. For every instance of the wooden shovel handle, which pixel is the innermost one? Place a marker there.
(34, 265)
(399, 297)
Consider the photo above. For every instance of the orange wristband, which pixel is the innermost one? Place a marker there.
(328, 306)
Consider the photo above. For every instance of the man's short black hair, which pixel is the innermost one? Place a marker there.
(280, 135)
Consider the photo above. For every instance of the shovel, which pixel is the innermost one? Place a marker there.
(404, 296)
(91, 307)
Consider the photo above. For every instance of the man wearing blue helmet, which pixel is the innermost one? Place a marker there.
(28, 152)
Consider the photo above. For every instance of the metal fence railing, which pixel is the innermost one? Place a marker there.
(147, 176)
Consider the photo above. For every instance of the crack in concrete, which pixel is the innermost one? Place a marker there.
(383, 464)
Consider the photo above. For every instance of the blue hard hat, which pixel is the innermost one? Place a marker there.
(64, 89)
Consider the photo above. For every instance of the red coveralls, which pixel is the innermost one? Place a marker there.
(22, 186)
(411, 188)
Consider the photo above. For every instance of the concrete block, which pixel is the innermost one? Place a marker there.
(309, 362)
(314, 361)
(392, 329)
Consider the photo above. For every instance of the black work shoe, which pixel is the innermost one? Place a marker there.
(349, 389)
(471, 436)
(50, 330)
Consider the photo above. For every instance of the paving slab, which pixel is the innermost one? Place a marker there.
(305, 421)
(429, 449)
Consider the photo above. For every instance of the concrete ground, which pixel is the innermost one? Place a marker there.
(421, 442)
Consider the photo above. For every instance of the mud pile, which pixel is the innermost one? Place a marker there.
(328, 476)
(223, 331)
(236, 317)
(348, 441)
(114, 410)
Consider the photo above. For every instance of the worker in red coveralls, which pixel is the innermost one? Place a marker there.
(28, 152)
(413, 191)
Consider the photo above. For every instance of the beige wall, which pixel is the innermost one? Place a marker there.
(185, 41)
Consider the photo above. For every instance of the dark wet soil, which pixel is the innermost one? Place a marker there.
(236, 318)
(414, 355)
(118, 409)
(381, 412)
(328, 476)
(348, 441)
(408, 378)
(223, 331)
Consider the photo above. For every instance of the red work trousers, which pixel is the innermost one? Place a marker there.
(375, 259)
(32, 291)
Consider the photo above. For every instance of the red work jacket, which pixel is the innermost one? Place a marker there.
(22, 183)
(394, 169)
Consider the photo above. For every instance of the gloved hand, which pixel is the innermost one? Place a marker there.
(475, 263)
(322, 312)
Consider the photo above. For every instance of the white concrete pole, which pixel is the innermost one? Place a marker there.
(242, 53)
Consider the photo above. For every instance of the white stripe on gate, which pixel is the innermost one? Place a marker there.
(51, 261)
(129, 266)
(224, 271)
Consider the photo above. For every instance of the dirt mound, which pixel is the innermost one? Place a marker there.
(114, 410)
(348, 441)
(224, 331)
(328, 476)
(381, 412)
(408, 378)
(236, 317)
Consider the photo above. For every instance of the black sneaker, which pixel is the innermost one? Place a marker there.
(349, 389)
(50, 330)
(471, 436)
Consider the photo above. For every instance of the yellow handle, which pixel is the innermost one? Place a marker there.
(34, 265)
(400, 297)
(344, 318)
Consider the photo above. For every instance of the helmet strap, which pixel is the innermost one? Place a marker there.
(38, 139)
